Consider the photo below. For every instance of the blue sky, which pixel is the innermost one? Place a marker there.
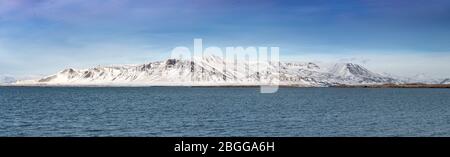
(396, 36)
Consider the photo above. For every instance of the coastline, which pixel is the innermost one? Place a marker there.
(412, 85)
(241, 86)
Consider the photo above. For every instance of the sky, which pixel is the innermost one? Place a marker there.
(406, 38)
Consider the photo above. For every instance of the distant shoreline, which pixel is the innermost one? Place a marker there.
(243, 86)
(396, 86)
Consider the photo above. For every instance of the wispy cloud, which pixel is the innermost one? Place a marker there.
(59, 33)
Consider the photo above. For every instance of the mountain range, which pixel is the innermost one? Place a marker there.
(210, 71)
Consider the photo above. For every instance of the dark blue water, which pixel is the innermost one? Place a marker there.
(183, 111)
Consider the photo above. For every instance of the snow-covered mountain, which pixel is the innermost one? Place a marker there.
(421, 78)
(210, 71)
(7, 79)
(445, 81)
(350, 73)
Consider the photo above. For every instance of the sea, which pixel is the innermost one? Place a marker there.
(223, 112)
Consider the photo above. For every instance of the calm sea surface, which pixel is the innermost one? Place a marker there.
(184, 111)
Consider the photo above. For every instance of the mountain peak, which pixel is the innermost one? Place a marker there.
(350, 70)
(210, 70)
(445, 81)
(7, 79)
(69, 71)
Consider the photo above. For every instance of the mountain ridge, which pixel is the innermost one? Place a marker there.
(211, 71)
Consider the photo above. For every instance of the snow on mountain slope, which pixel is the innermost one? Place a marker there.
(7, 79)
(349, 73)
(445, 81)
(423, 78)
(211, 71)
